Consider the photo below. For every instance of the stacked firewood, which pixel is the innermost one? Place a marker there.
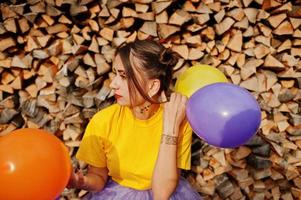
(55, 70)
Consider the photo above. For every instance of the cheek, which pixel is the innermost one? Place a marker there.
(125, 88)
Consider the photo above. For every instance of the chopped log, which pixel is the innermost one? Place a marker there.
(128, 12)
(64, 20)
(79, 49)
(6, 115)
(203, 9)
(261, 51)
(48, 19)
(104, 91)
(78, 39)
(295, 51)
(224, 25)
(265, 30)
(287, 44)
(85, 32)
(7, 12)
(57, 28)
(241, 153)
(165, 30)
(6, 63)
(107, 33)
(101, 64)
(264, 40)
(43, 40)
(7, 43)
(247, 2)
(88, 60)
(94, 45)
(251, 14)
(158, 7)
(250, 68)
(149, 16)
(23, 24)
(179, 17)
(194, 27)
(262, 15)
(10, 25)
(77, 9)
(182, 50)
(40, 54)
(277, 19)
(285, 28)
(149, 28)
(273, 63)
(235, 44)
(140, 7)
(236, 13)
(243, 24)
(18, 62)
(295, 22)
(219, 16)
(162, 18)
(6, 78)
(188, 6)
(8, 129)
(19, 8)
(250, 84)
(195, 54)
(31, 44)
(102, 42)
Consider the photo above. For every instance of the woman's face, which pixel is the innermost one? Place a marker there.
(120, 86)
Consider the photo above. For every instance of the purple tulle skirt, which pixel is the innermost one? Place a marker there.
(114, 191)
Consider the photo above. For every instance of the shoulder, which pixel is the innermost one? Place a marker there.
(102, 120)
(106, 113)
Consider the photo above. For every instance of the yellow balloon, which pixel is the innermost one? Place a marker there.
(197, 77)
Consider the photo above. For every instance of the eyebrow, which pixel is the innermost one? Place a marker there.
(118, 70)
(121, 71)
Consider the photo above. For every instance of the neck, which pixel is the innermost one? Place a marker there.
(145, 110)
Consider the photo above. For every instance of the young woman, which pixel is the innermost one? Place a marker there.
(136, 148)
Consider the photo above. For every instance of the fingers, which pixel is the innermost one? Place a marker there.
(80, 178)
(77, 180)
(178, 99)
(72, 180)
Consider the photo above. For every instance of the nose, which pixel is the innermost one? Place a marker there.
(114, 83)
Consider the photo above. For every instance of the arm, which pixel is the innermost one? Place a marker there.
(93, 181)
(166, 175)
(92, 152)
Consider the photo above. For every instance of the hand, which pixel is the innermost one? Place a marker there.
(77, 180)
(174, 114)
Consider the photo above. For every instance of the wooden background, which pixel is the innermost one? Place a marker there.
(55, 66)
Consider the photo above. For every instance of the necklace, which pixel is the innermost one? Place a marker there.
(145, 109)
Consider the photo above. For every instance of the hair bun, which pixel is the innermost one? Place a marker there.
(168, 57)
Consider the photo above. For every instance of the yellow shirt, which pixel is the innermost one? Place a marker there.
(129, 147)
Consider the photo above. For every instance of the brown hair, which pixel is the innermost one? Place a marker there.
(155, 62)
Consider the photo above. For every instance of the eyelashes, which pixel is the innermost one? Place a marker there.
(120, 73)
(123, 76)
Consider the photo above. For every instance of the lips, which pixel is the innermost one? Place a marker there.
(117, 96)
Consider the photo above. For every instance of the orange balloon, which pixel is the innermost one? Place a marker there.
(34, 164)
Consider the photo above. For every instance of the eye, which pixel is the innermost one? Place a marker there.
(123, 76)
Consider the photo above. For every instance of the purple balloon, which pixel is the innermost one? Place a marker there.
(223, 114)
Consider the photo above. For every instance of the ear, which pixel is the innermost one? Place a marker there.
(153, 87)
